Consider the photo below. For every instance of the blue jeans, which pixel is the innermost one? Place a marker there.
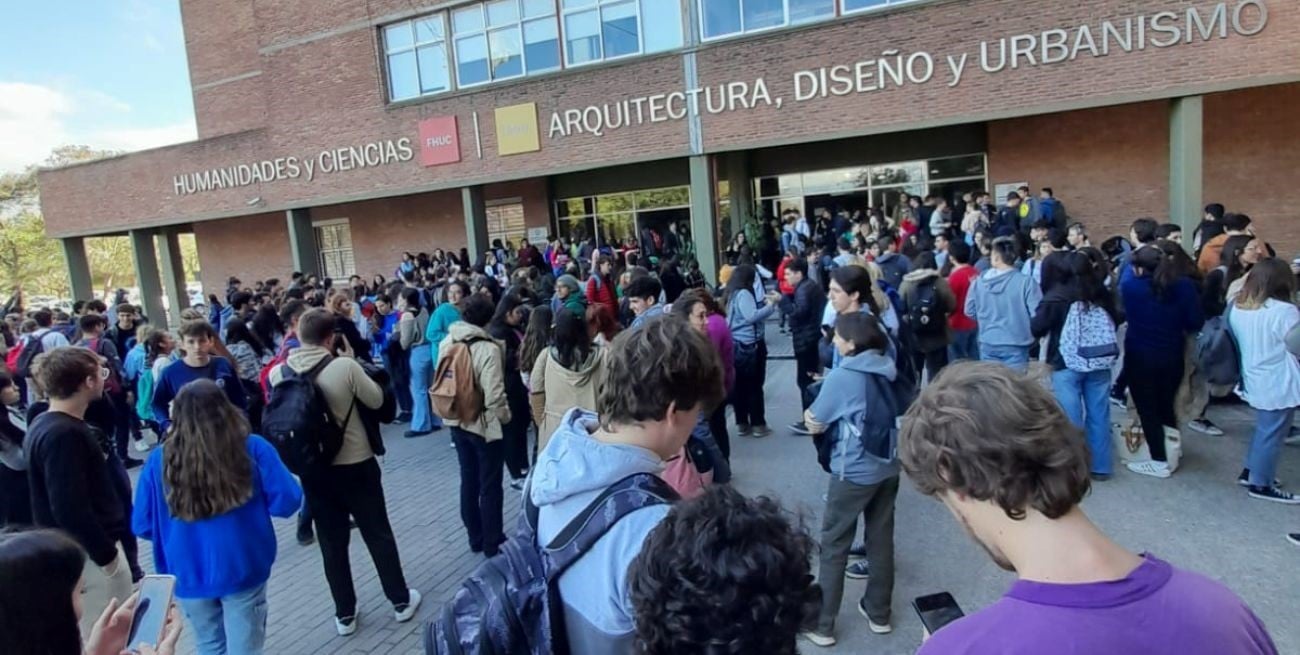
(234, 624)
(1271, 427)
(1083, 396)
(1014, 357)
(965, 345)
(422, 417)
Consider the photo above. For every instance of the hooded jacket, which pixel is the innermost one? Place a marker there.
(847, 399)
(947, 304)
(344, 382)
(488, 359)
(569, 474)
(804, 307)
(893, 267)
(1002, 302)
(557, 389)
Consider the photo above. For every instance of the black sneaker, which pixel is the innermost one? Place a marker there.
(858, 552)
(1243, 480)
(858, 571)
(800, 429)
(306, 538)
(1274, 494)
(415, 434)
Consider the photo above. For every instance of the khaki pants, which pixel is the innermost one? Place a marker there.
(100, 588)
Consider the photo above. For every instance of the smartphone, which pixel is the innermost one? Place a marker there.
(150, 615)
(936, 610)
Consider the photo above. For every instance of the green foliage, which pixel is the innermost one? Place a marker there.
(28, 260)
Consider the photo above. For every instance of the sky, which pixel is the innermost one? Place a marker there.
(109, 75)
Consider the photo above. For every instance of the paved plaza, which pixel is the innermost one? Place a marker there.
(1198, 519)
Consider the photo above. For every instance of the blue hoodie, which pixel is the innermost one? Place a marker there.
(1002, 303)
(847, 396)
(570, 473)
(224, 554)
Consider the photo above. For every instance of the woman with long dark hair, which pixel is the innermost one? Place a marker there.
(205, 499)
(1162, 307)
(15, 495)
(268, 328)
(699, 309)
(537, 338)
(746, 314)
(412, 330)
(1261, 317)
(507, 326)
(1240, 253)
(1080, 384)
(569, 374)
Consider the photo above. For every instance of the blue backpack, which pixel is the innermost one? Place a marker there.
(511, 603)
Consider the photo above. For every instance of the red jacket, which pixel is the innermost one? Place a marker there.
(601, 294)
(781, 284)
(960, 280)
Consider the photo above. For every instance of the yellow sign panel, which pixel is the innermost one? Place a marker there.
(517, 129)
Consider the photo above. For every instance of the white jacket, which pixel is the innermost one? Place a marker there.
(1270, 375)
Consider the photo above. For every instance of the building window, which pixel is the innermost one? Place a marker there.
(854, 6)
(506, 222)
(416, 53)
(723, 18)
(504, 39)
(600, 30)
(334, 245)
(635, 220)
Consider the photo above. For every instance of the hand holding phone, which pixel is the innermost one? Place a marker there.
(936, 611)
(151, 612)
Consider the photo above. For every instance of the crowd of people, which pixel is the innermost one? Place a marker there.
(599, 381)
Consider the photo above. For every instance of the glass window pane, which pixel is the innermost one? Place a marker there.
(620, 29)
(662, 26)
(791, 185)
(897, 173)
(956, 167)
(569, 207)
(855, 5)
(574, 4)
(582, 37)
(429, 29)
(663, 198)
(802, 11)
(397, 36)
(502, 12)
(763, 13)
(837, 181)
(541, 45)
(469, 19)
(535, 8)
(434, 75)
(403, 80)
(617, 228)
(507, 53)
(614, 203)
(952, 191)
(721, 17)
(472, 60)
(768, 187)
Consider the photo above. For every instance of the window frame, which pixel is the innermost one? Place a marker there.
(836, 12)
(487, 29)
(597, 6)
(388, 52)
(321, 251)
(840, 6)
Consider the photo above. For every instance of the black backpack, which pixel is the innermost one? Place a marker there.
(298, 421)
(34, 346)
(924, 314)
(511, 603)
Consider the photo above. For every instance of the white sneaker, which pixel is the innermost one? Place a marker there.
(346, 626)
(819, 639)
(877, 628)
(407, 612)
(1150, 467)
(141, 445)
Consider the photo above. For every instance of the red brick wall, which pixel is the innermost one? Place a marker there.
(383, 229)
(1252, 159)
(250, 247)
(221, 43)
(1106, 176)
(532, 193)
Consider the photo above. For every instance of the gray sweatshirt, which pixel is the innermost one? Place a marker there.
(1002, 302)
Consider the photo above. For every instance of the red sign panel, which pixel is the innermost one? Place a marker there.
(439, 141)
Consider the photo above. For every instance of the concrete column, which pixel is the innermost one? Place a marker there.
(741, 190)
(173, 274)
(146, 276)
(302, 242)
(704, 229)
(74, 257)
(476, 232)
(1186, 156)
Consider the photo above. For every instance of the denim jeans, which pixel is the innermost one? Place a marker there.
(1084, 397)
(1271, 427)
(1014, 357)
(233, 624)
(965, 345)
(422, 416)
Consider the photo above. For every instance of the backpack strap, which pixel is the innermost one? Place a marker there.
(634, 492)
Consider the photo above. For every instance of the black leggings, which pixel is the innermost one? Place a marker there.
(1153, 383)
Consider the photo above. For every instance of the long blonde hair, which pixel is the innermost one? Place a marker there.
(207, 470)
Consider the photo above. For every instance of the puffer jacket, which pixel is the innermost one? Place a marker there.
(488, 358)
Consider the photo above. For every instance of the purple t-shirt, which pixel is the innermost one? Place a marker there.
(1156, 610)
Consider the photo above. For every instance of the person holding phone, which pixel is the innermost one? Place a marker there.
(1014, 479)
(205, 499)
(41, 602)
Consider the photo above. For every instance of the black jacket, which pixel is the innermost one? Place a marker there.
(805, 312)
(70, 484)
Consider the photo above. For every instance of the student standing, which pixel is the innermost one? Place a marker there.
(965, 332)
(565, 375)
(1002, 301)
(198, 339)
(746, 317)
(804, 308)
(71, 485)
(351, 486)
(507, 326)
(411, 330)
(15, 496)
(205, 499)
(479, 444)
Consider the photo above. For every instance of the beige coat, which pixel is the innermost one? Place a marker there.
(557, 389)
(342, 381)
(488, 357)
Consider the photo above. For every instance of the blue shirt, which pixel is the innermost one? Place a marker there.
(224, 554)
(179, 374)
(1159, 328)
